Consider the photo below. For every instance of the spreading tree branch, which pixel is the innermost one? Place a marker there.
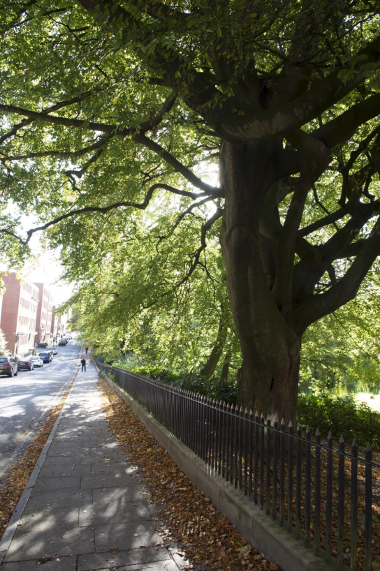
(101, 209)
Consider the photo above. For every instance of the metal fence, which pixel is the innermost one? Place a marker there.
(329, 497)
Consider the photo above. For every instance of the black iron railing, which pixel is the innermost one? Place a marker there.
(327, 496)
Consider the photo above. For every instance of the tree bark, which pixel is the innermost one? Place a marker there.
(268, 378)
(226, 366)
(209, 368)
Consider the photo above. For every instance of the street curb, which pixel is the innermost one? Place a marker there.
(16, 516)
(261, 531)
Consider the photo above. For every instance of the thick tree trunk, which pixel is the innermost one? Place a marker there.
(268, 379)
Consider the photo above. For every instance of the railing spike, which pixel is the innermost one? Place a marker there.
(290, 425)
(317, 432)
(341, 438)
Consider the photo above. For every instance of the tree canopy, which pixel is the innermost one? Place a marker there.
(111, 107)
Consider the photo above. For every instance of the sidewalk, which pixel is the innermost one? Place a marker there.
(88, 509)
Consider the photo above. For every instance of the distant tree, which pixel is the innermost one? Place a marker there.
(116, 104)
(3, 345)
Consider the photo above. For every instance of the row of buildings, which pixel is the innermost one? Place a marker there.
(27, 315)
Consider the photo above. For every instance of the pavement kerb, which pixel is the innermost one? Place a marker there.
(260, 530)
(16, 516)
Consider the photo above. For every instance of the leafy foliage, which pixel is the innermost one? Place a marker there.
(341, 416)
(3, 345)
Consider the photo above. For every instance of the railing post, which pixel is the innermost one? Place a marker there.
(267, 486)
(262, 455)
(329, 497)
(341, 503)
(290, 476)
(275, 454)
(250, 450)
(256, 465)
(317, 515)
(241, 446)
(282, 472)
(307, 487)
(368, 508)
(298, 481)
(354, 505)
(246, 433)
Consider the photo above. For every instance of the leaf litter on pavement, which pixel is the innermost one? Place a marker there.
(189, 518)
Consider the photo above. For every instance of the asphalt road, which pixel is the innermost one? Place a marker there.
(25, 400)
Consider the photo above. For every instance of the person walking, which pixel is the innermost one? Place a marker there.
(83, 361)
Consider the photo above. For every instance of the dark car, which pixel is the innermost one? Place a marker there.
(63, 341)
(26, 363)
(46, 356)
(8, 366)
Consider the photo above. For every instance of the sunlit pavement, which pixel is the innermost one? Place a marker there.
(25, 399)
(88, 508)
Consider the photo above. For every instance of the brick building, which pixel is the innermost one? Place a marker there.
(45, 310)
(18, 313)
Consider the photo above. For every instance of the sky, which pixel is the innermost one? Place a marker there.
(45, 268)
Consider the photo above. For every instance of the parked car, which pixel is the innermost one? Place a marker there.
(53, 351)
(63, 341)
(26, 363)
(37, 361)
(8, 366)
(44, 345)
(46, 356)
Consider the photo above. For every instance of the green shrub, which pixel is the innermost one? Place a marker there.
(341, 416)
(214, 388)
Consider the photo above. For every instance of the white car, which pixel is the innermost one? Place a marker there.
(37, 361)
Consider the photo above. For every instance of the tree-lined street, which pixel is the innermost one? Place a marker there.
(25, 399)
(122, 112)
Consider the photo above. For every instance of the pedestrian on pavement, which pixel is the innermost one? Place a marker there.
(83, 361)
(86, 349)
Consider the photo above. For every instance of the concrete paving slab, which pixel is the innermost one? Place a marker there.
(119, 496)
(99, 468)
(68, 449)
(57, 483)
(109, 480)
(54, 500)
(104, 458)
(45, 520)
(103, 514)
(56, 564)
(111, 559)
(158, 566)
(65, 467)
(129, 535)
(39, 545)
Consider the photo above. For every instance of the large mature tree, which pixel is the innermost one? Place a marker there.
(108, 104)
